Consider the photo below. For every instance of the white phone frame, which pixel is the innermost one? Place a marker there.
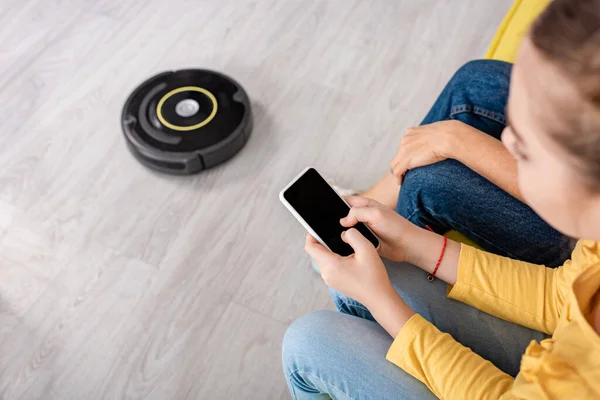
(299, 217)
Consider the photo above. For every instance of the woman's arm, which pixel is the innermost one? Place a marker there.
(428, 144)
(487, 156)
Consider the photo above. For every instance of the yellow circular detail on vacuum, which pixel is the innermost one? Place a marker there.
(169, 125)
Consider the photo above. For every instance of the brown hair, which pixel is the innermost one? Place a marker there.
(568, 34)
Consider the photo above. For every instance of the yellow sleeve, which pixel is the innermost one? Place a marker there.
(526, 294)
(449, 369)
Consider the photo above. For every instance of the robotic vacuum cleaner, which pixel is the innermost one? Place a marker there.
(182, 122)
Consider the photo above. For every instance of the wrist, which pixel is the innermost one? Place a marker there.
(429, 250)
(456, 141)
(391, 312)
(414, 246)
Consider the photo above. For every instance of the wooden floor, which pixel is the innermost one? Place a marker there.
(120, 283)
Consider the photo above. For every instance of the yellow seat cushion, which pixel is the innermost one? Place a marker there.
(507, 40)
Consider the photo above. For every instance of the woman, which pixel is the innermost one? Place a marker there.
(496, 322)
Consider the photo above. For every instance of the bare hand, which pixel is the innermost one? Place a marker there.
(424, 145)
(391, 229)
(361, 276)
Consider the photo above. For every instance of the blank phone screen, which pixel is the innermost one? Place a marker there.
(322, 208)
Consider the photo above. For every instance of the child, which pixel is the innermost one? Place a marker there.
(494, 341)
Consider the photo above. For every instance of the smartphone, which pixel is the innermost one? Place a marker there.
(319, 209)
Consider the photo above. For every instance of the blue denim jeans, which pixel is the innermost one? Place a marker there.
(342, 354)
(450, 196)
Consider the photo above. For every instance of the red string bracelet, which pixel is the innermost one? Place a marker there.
(431, 276)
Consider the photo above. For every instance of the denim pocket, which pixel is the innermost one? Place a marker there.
(482, 112)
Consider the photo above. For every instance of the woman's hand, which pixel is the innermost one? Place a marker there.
(393, 231)
(363, 277)
(427, 144)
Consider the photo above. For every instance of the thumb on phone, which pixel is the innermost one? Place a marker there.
(358, 242)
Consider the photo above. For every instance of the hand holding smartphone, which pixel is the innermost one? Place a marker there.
(319, 209)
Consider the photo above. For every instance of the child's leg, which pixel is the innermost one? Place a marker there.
(450, 196)
(476, 95)
(327, 355)
(343, 354)
(385, 191)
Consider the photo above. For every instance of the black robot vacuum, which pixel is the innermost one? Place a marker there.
(182, 122)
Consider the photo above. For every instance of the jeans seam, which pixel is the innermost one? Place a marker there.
(434, 214)
(468, 108)
(494, 116)
(319, 378)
